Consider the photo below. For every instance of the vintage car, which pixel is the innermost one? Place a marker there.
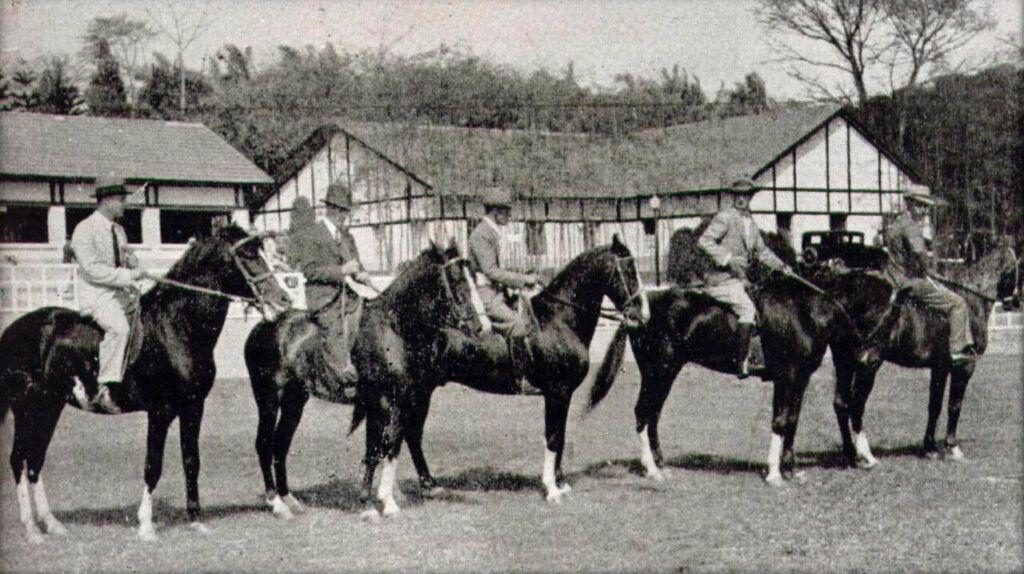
(821, 247)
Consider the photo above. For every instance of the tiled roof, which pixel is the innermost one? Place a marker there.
(81, 147)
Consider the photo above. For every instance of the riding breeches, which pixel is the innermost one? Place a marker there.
(732, 294)
(116, 333)
(937, 297)
(500, 313)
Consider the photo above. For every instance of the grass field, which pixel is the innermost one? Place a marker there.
(714, 513)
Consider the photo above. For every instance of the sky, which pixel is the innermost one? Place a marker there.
(718, 41)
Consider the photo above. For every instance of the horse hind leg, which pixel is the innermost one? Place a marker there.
(864, 382)
(936, 393)
(957, 389)
(20, 472)
(156, 438)
(653, 393)
(556, 411)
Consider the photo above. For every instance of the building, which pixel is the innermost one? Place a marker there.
(48, 165)
(412, 183)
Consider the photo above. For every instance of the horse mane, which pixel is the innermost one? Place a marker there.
(195, 261)
(688, 263)
(409, 272)
(572, 269)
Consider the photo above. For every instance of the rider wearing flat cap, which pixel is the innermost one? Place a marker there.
(733, 240)
(108, 272)
(907, 244)
(326, 254)
(492, 279)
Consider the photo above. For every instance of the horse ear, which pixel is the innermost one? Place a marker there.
(616, 241)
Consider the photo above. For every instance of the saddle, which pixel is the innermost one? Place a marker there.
(337, 324)
(130, 300)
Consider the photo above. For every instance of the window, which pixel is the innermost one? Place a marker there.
(23, 224)
(131, 221)
(178, 226)
(536, 241)
(650, 225)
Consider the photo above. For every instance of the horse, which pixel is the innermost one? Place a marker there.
(796, 324)
(395, 389)
(286, 364)
(910, 336)
(50, 356)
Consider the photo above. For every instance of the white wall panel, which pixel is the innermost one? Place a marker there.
(863, 162)
(195, 196)
(810, 162)
(837, 169)
(33, 191)
(811, 201)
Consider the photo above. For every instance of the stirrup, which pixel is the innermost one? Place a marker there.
(103, 401)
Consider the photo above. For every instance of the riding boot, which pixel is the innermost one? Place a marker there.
(749, 357)
(105, 401)
(522, 357)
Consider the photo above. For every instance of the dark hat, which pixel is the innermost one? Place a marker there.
(338, 195)
(497, 197)
(743, 186)
(108, 186)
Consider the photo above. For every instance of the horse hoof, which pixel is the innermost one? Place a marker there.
(774, 480)
(147, 534)
(53, 526)
(370, 515)
(956, 454)
(36, 537)
(867, 464)
(566, 488)
(932, 455)
(656, 475)
(280, 508)
(295, 504)
(201, 528)
(555, 497)
(666, 473)
(435, 492)
(391, 510)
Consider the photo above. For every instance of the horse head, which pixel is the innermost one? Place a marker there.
(244, 271)
(437, 288)
(624, 286)
(986, 273)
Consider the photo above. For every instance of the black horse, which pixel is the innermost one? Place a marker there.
(910, 336)
(50, 355)
(796, 324)
(287, 361)
(396, 388)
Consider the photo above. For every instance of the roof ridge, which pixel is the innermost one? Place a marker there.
(98, 119)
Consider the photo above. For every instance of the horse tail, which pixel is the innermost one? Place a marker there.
(358, 415)
(609, 368)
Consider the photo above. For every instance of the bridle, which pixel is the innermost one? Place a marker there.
(253, 281)
(463, 316)
(615, 315)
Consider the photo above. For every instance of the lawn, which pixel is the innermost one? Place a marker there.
(713, 513)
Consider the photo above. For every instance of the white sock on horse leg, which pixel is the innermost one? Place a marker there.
(554, 494)
(146, 530)
(53, 526)
(386, 489)
(647, 456)
(863, 447)
(774, 458)
(24, 500)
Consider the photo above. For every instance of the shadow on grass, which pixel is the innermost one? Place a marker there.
(486, 479)
(345, 495)
(163, 514)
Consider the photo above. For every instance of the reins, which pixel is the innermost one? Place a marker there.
(203, 290)
(613, 315)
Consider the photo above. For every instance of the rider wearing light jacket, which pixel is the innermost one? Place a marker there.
(733, 240)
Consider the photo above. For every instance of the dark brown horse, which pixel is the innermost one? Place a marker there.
(396, 387)
(909, 336)
(51, 353)
(796, 324)
(288, 362)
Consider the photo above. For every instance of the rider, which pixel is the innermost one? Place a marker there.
(905, 238)
(732, 240)
(326, 254)
(108, 271)
(492, 279)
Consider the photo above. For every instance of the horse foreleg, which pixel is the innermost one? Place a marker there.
(957, 388)
(42, 434)
(792, 422)
(268, 411)
(190, 421)
(936, 393)
(556, 412)
(156, 437)
(864, 383)
(292, 405)
(653, 393)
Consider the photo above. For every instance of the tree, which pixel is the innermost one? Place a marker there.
(181, 23)
(863, 38)
(56, 90)
(105, 95)
(125, 40)
(748, 97)
(159, 96)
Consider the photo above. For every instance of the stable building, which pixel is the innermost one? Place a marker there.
(48, 165)
(412, 183)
